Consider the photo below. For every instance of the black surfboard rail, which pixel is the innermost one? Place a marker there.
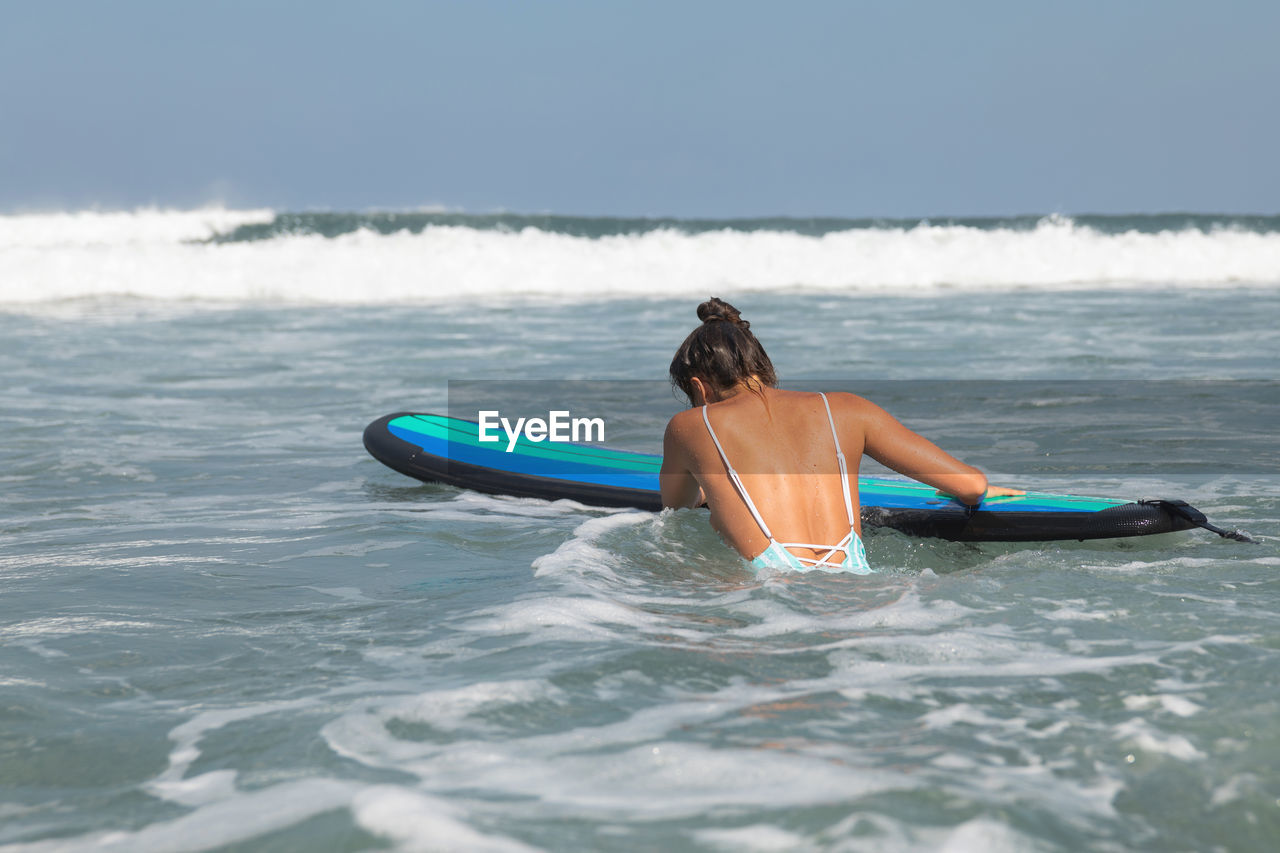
(1142, 518)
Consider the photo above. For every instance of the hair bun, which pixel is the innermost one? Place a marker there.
(715, 310)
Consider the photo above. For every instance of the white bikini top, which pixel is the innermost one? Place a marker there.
(842, 546)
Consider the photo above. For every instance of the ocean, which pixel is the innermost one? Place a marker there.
(225, 627)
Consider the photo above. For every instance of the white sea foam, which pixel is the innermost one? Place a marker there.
(242, 817)
(420, 822)
(63, 626)
(644, 766)
(759, 837)
(173, 783)
(1174, 704)
(154, 254)
(568, 619)
(984, 835)
(143, 227)
(456, 708)
(582, 550)
(1144, 736)
(907, 612)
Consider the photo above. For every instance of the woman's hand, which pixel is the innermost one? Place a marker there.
(992, 492)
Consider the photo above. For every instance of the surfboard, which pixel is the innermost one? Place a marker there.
(438, 448)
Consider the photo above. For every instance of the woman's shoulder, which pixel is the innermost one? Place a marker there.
(848, 401)
(682, 422)
(847, 407)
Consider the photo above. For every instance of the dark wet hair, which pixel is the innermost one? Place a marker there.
(721, 352)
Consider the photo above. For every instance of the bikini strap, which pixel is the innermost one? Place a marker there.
(844, 466)
(737, 481)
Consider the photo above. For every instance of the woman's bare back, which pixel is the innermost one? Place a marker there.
(780, 443)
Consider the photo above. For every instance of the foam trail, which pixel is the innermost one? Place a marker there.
(422, 822)
(153, 254)
(230, 821)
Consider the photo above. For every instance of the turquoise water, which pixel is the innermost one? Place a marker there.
(225, 627)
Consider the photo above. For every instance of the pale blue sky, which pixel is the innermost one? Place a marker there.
(644, 108)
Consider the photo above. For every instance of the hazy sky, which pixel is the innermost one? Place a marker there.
(644, 108)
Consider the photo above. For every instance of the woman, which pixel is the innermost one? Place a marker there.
(778, 469)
